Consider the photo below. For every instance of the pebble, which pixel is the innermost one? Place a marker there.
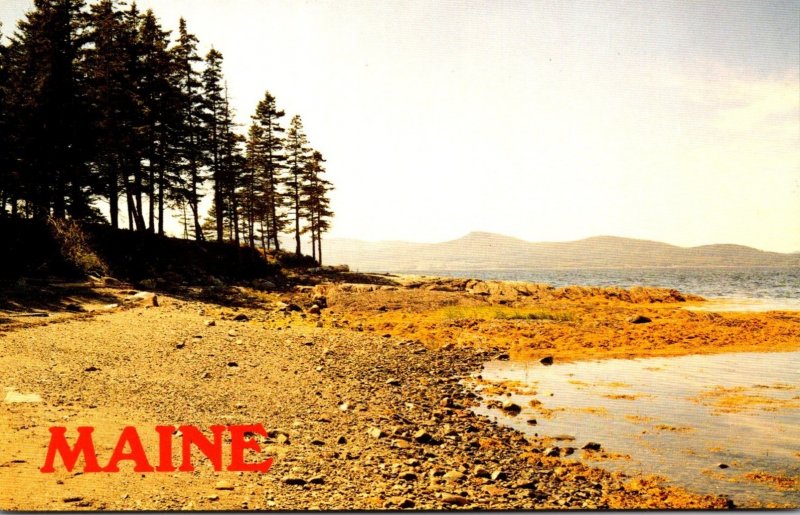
(453, 475)
(375, 432)
(547, 360)
(499, 475)
(480, 471)
(510, 406)
(407, 476)
(317, 480)
(458, 500)
(72, 498)
(592, 446)
(223, 485)
(422, 436)
(210, 323)
(393, 381)
(294, 480)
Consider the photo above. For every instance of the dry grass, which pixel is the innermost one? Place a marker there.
(503, 313)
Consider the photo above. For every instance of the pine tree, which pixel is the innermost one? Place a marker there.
(249, 183)
(270, 167)
(160, 114)
(187, 189)
(113, 104)
(316, 204)
(296, 157)
(6, 153)
(51, 129)
(213, 118)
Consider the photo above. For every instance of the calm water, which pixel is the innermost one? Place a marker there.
(672, 418)
(750, 283)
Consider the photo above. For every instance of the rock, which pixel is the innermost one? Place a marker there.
(592, 446)
(150, 284)
(639, 319)
(453, 476)
(341, 440)
(294, 480)
(223, 485)
(531, 422)
(75, 308)
(72, 498)
(233, 364)
(407, 476)
(723, 465)
(213, 497)
(344, 406)
(282, 438)
(546, 361)
(502, 357)
(210, 323)
(263, 284)
(180, 345)
(422, 436)
(458, 500)
(321, 301)
(552, 452)
(314, 310)
(404, 503)
(13, 396)
(499, 475)
(375, 432)
(91, 369)
(317, 480)
(480, 471)
(393, 381)
(241, 317)
(446, 402)
(293, 307)
(510, 406)
(142, 297)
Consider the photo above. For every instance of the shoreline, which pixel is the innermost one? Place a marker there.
(324, 378)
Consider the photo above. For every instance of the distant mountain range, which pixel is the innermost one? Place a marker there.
(487, 251)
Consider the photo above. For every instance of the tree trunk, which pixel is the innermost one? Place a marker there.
(113, 197)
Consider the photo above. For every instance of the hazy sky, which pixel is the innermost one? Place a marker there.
(676, 121)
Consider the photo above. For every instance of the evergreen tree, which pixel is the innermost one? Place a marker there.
(6, 155)
(271, 166)
(249, 184)
(50, 124)
(187, 189)
(296, 157)
(160, 122)
(316, 204)
(213, 116)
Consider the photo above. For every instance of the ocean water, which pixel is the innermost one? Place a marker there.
(677, 417)
(767, 283)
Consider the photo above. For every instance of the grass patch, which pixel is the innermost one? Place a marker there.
(503, 313)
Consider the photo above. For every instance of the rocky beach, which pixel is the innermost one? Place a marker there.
(359, 380)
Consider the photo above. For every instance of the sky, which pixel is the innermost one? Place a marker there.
(676, 121)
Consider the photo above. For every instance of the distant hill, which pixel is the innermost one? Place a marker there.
(487, 251)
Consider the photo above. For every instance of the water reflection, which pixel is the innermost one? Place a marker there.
(677, 417)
